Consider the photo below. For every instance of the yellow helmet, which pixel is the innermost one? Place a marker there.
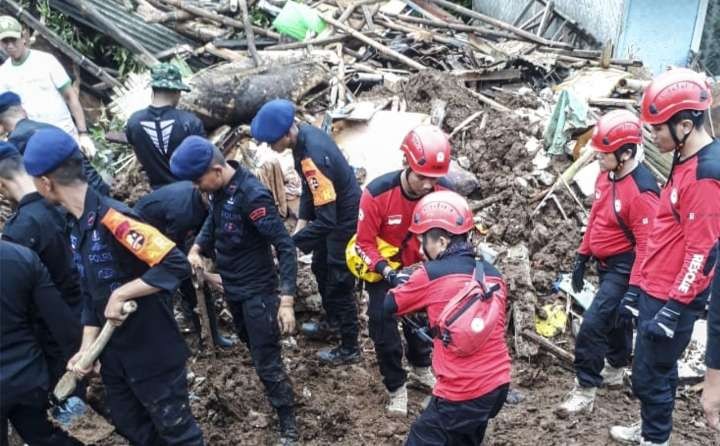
(357, 265)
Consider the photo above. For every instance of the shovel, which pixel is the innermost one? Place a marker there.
(66, 386)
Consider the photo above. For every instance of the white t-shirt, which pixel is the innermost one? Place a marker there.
(39, 80)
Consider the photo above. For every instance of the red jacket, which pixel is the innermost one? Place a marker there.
(459, 378)
(630, 201)
(681, 250)
(385, 212)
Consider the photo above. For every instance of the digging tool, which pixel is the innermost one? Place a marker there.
(66, 386)
(202, 308)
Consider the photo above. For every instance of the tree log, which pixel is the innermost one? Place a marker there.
(231, 93)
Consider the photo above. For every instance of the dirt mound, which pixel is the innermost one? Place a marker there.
(130, 185)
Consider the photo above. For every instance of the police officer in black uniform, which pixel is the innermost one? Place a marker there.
(241, 230)
(14, 120)
(156, 131)
(120, 258)
(26, 294)
(328, 216)
(178, 210)
(39, 226)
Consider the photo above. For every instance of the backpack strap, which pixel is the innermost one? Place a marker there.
(479, 272)
(626, 230)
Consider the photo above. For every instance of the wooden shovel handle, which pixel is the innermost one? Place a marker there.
(101, 341)
(66, 386)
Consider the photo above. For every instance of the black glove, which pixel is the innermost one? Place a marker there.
(665, 322)
(628, 309)
(578, 273)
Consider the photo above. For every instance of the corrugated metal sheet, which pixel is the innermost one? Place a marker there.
(153, 36)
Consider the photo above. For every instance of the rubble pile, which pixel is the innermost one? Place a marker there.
(493, 86)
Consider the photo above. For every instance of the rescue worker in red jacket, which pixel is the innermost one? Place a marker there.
(681, 249)
(386, 207)
(471, 388)
(626, 198)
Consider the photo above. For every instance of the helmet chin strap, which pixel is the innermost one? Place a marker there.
(679, 143)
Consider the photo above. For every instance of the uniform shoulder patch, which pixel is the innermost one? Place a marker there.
(258, 213)
(144, 241)
(321, 187)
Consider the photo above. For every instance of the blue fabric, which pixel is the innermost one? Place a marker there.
(712, 355)
(192, 158)
(7, 150)
(152, 411)
(273, 120)
(602, 335)
(7, 100)
(47, 149)
(453, 423)
(655, 370)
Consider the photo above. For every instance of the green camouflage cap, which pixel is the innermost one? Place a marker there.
(167, 76)
(9, 27)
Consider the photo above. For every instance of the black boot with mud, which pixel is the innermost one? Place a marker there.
(288, 428)
(319, 331)
(339, 356)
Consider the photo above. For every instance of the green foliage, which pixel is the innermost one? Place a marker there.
(95, 46)
(259, 18)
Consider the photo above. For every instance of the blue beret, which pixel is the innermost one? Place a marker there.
(7, 100)
(47, 149)
(273, 121)
(7, 149)
(192, 158)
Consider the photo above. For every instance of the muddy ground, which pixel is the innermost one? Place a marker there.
(344, 406)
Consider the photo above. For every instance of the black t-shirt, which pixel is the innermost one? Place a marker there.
(155, 133)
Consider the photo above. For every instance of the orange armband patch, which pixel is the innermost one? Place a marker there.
(144, 241)
(322, 189)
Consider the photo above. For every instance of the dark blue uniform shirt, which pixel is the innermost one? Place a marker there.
(330, 196)
(176, 209)
(39, 226)
(26, 295)
(26, 128)
(242, 226)
(155, 133)
(148, 342)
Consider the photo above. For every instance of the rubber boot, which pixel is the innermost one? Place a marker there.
(219, 340)
(288, 427)
(627, 434)
(580, 399)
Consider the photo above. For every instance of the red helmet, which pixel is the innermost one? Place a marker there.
(443, 209)
(427, 150)
(615, 129)
(674, 91)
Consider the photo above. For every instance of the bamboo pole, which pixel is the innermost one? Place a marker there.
(227, 21)
(500, 24)
(373, 43)
(141, 53)
(249, 34)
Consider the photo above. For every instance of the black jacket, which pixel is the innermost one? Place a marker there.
(242, 226)
(330, 196)
(148, 342)
(26, 295)
(176, 209)
(155, 133)
(39, 226)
